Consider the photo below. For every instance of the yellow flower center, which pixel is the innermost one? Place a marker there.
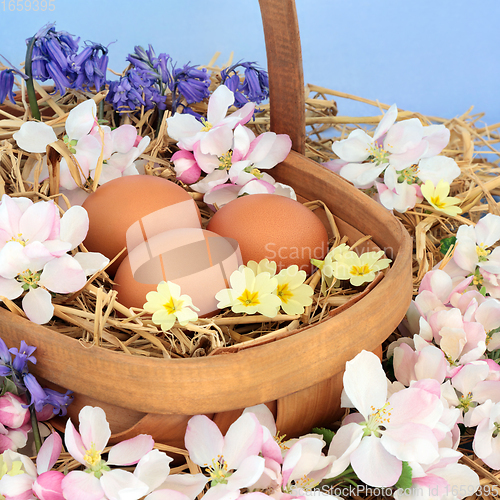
(437, 202)
(284, 293)
(382, 415)
(172, 306)
(360, 270)
(92, 457)
(206, 125)
(306, 483)
(225, 161)
(379, 154)
(482, 252)
(248, 298)
(256, 172)
(218, 470)
(19, 239)
(16, 469)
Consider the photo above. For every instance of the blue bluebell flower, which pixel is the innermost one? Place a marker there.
(155, 66)
(191, 83)
(59, 401)
(134, 90)
(253, 88)
(52, 51)
(22, 356)
(89, 67)
(6, 85)
(5, 360)
(38, 397)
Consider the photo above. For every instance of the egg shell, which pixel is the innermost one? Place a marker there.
(272, 227)
(117, 204)
(199, 261)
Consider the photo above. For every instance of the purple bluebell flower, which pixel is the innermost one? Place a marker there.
(134, 90)
(253, 88)
(38, 397)
(89, 67)
(191, 83)
(155, 66)
(22, 356)
(52, 52)
(5, 360)
(6, 85)
(59, 401)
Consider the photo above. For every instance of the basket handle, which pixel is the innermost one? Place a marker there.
(284, 63)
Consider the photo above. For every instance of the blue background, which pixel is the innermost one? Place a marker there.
(438, 57)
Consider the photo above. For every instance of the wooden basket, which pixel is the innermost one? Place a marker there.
(298, 376)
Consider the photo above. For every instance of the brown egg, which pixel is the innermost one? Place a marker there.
(117, 204)
(199, 261)
(273, 227)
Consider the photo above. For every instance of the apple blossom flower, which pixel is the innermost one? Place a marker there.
(33, 259)
(438, 197)
(17, 474)
(359, 269)
(99, 481)
(250, 293)
(34, 137)
(232, 460)
(485, 444)
(444, 478)
(168, 306)
(215, 133)
(291, 290)
(387, 431)
(394, 195)
(437, 168)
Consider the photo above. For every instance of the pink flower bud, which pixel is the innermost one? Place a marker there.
(12, 413)
(48, 486)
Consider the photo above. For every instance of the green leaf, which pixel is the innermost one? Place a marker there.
(404, 481)
(9, 386)
(483, 291)
(446, 243)
(326, 433)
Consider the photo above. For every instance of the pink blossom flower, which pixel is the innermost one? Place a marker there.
(444, 478)
(215, 134)
(232, 460)
(33, 259)
(100, 481)
(386, 432)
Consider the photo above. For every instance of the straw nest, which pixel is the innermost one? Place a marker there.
(95, 316)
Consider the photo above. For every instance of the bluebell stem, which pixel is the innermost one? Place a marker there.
(191, 83)
(253, 88)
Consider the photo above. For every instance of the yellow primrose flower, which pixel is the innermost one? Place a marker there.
(168, 305)
(291, 290)
(439, 199)
(265, 265)
(325, 266)
(359, 269)
(250, 293)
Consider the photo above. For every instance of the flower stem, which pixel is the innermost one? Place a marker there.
(36, 430)
(30, 87)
